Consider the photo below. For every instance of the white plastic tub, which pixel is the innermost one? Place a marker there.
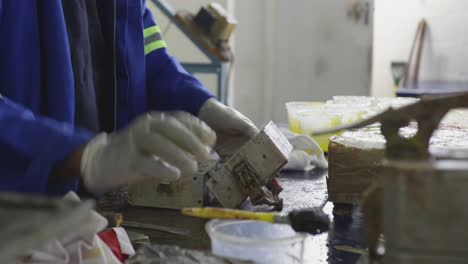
(295, 109)
(256, 241)
(308, 117)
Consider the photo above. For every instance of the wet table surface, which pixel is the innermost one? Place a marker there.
(344, 243)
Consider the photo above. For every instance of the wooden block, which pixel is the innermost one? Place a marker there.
(186, 192)
(355, 158)
(251, 167)
(351, 171)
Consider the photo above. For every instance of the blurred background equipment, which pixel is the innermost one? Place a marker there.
(398, 72)
(216, 22)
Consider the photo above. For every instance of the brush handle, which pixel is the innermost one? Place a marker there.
(222, 213)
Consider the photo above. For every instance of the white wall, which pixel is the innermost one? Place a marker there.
(250, 58)
(306, 50)
(302, 50)
(445, 52)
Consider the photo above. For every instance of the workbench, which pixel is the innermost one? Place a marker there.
(433, 88)
(301, 190)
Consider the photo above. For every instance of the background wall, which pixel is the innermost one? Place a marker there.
(302, 50)
(305, 50)
(445, 52)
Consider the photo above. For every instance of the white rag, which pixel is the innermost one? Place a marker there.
(83, 246)
(306, 153)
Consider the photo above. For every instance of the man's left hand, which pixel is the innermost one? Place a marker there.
(232, 128)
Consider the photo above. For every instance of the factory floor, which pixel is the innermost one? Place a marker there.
(344, 243)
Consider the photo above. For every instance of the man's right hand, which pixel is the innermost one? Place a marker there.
(158, 145)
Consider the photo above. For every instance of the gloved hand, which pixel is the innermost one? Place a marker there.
(162, 145)
(232, 128)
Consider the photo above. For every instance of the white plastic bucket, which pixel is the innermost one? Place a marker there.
(256, 241)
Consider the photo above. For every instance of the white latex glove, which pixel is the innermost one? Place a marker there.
(162, 145)
(232, 128)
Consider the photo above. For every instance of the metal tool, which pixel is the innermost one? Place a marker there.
(167, 229)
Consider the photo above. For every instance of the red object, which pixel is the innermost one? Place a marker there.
(110, 238)
(274, 186)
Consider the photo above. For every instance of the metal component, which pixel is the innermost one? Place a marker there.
(186, 192)
(246, 173)
(138, 238)
(113, 219)
(167, 229)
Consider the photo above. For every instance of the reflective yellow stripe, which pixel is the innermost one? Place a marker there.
(154, 46)
(150, 31)
(153, 39)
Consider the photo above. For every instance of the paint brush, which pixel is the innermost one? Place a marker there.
(313, 221)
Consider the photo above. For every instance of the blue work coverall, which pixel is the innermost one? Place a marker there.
(37, 104)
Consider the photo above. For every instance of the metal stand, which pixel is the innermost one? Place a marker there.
(216, 66)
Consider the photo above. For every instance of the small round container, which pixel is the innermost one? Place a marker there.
(294, 109)
(256, 241)
(319, 119)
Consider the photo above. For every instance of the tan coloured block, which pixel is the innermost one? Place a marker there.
(187, 192)
(253, 166)
(355, 158)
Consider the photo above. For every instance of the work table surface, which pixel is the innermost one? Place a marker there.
(301, 190)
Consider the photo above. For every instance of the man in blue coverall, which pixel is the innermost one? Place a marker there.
(90, 95)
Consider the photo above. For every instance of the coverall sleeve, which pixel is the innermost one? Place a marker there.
(170, 87)
(40, 140)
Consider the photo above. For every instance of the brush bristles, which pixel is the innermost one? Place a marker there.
(313, 221)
